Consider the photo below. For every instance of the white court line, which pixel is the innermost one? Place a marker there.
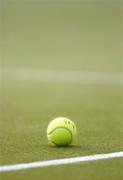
(57, 162)
(26, 74)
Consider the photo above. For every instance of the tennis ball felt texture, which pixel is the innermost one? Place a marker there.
(61, 131)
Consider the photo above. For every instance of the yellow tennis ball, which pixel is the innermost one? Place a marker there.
(61, 131)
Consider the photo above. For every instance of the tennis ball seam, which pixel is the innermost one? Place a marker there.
(62, 127)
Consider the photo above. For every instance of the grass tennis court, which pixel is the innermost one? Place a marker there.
(65, 37)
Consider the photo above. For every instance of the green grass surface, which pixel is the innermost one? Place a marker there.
(27, 109)
(106, 169)
(61, 36)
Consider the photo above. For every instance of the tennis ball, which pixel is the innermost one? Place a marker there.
(61, 131)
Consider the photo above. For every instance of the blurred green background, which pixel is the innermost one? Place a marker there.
(62, 34)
